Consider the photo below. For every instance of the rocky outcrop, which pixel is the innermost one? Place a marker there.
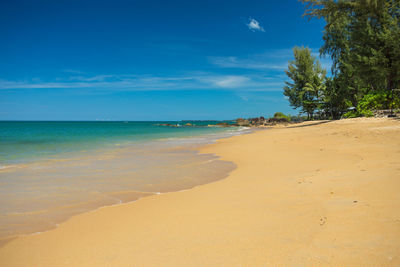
(277, 120)
(242, 122)
(168, 125)
(260, 121)
(257, 121)
(386, 113)
(224, 124)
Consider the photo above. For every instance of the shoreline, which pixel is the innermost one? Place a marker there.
(312, 198)
(190, 145)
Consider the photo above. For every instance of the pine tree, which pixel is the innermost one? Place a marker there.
(362, 38)
(307, 84)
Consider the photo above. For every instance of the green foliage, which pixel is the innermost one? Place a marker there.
(355, 114)
(280, 115)
(297, 118)
(307, 81)
(371, 102)
(335, 98)
(376, 101)
(351, 114)
(362, 38)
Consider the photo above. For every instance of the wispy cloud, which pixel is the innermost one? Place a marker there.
(113, 83)
(254, 25)
(251, 73)
(97, 78)
(225, 81)
(247, 63)
(274, 60)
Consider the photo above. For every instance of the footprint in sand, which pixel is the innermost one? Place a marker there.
(303, 180)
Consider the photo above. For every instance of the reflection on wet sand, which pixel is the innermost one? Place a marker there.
(35, 197)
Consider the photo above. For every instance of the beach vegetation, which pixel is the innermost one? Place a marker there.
(280, 115)
(362, 39)
(304, 91)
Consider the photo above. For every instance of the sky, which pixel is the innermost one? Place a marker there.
(149, 60)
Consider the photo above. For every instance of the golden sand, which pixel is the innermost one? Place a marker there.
(315, 194)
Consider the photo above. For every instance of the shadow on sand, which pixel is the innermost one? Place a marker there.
(311, 124)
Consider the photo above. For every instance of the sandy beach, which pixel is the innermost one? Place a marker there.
(312, 194)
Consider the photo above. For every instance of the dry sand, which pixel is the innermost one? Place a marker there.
(313, 194)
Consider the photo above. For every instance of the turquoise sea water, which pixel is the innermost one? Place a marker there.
(50, 171)
(31, 140)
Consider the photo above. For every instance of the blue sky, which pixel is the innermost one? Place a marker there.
(148, 60)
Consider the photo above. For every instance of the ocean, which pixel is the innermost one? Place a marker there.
(50, 171)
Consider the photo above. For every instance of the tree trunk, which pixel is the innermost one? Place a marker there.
(390, 89)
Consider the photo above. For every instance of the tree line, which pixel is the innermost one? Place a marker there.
(362, 37)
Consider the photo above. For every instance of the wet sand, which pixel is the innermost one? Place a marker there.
(38, 196)
(319, 193)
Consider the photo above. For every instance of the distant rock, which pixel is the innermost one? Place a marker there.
(242, 122)
(224, 124)
(168, 125)
(257, 121)
(386, 113)
(261, 121)
(278, 120)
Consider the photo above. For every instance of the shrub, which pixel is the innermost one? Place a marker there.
(351, 114)
(297, 118)
(370, 102)
(280, 115)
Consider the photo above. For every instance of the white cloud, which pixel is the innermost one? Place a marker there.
(247, 63)
(123, 82)
(272, 59)
(229, 81)
(254, 25)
